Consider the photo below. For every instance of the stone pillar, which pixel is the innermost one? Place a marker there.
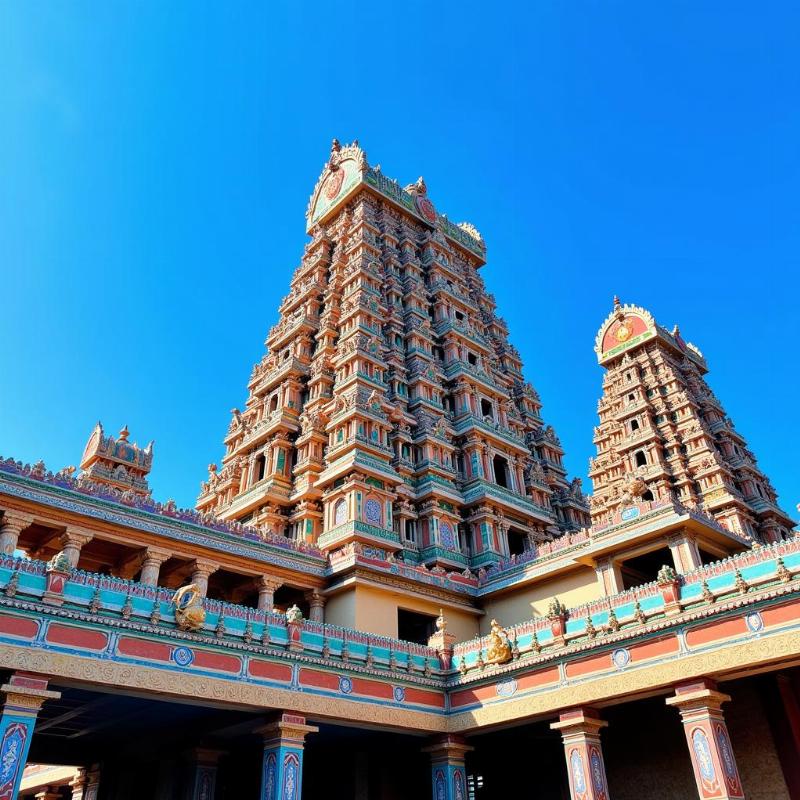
(282, 766)
(267, 587)
(72, 540)
(448, 776)
(684, 552)
(316, 602)
(151, 565)
(87, 784)
(580, 731)
(12, 524)
(200, 573)
(203, 777)
(715, 770)
(608, 576)
(23, 696)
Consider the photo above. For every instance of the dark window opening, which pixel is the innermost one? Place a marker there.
(641, 458)
(261, 467)
(414, 627)
(288, 596)
(648, 495)
(516, 542)
(273, 403)
(472, 358)
(501, 475)
(486, 408)
(634, 425)
(706, 557)
(644, 568)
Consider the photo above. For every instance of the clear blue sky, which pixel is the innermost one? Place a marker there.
(156, 163)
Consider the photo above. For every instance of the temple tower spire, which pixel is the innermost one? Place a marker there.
(390, 408)
(664, 435)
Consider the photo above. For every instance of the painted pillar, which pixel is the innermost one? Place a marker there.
(580, 731)
(72, 541)
(203, 778)
(151, 565)
(12, 524)
(316, 603)
(201, 570)
(448, 776)
(87, 784)
(23, 696)
(282, 766)
(608, 576)
(684, 553)
(266, 592)
(715, 770)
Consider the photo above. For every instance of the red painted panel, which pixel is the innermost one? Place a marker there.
(779, 615)
(424, 698)
(321, 680)
(144, 648)
(539, 678)
(18, 626)
(372, 688)
(76, 637)
(655, 648)
(714, 631)
(470, 696)
(585, 666)
(270, 671)
(204, 659)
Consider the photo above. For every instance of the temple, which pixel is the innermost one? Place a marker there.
(390, 587)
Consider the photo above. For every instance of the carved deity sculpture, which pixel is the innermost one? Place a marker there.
(499, 650)
(189, 612)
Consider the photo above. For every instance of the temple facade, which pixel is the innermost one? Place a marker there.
(390, 587)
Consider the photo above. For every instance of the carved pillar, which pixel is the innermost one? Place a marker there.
(282, 766)
(684, 553)
(580, 731)
(201, 570)
(316, 602)
(87, 784)
(203, 777)
(267, 587)
(608, 576)
(23, 696)
(151, 565)
(715, 770)
(448, 776)
(72, 540)
(12, 524)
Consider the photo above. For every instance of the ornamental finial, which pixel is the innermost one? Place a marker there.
(616, 302)
(124, 433)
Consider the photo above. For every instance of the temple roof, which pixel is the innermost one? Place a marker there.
(628, 326)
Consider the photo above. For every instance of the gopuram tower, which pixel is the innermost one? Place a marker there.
(665, 437)
(390, 408)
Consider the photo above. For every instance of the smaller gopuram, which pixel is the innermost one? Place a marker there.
(664, 435)
(117, 462)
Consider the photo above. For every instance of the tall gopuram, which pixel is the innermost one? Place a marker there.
(390, 589)
(664, 436)
(390, 408)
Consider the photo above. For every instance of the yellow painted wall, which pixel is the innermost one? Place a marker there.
(572, 589)
(375, 611)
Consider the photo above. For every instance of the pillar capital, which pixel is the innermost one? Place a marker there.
(286, 727)
(156, 556)
(448, 774)
(448, 746)
(269, 583)
(26, 692)
(580, 730)
(15, 520)
(201, 566)
(713, 761)
(76, 536)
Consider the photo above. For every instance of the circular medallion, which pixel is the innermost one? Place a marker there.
(182, 656)
(754, 621)
(621, 658)
(425, 208)
(334, 184)
(345, 685)
(624, 331)
(399, 694)
(506, 688)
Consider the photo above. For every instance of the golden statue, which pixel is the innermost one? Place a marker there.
(499, 650)
(189, 612)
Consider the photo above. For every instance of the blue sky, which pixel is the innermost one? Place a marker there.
(157, 161)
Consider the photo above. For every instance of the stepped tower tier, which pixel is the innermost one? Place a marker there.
(663, 434)
(390, 408)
